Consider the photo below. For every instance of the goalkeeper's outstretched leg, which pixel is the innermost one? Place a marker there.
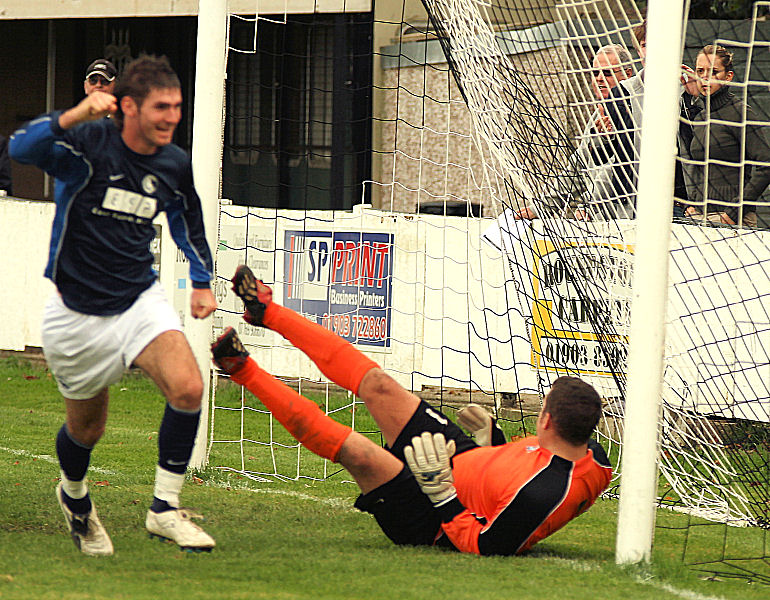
(369, 464)
(432, 484)
(389, 403)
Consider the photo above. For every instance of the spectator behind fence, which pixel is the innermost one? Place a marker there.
(100, 76)
(624, 111)
(719, 150)
(6, 187)
(626, 117)
(593, 158)
(611, 65)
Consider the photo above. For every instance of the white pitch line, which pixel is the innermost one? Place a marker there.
(582, 566)
(341, 503)
(51, 459)
(684, 594)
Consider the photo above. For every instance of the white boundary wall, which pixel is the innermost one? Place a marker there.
(445, 277)
(429, 302)
(26, 233)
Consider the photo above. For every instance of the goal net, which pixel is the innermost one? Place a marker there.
(464, 117)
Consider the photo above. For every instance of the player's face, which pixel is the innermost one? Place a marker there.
(711, 73)
(157, 117)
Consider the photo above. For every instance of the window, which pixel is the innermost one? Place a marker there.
(298, 119)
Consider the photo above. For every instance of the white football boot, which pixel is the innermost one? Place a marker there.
(176, 525)
(87, 531)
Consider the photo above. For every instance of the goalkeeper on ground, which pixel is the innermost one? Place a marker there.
(432, 484)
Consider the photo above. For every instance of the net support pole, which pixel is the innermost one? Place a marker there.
(639, 464)
(210, 70)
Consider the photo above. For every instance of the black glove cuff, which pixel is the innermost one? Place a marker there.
(498, 437)
(450, 510)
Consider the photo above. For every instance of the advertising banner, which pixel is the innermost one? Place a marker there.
(343, 281)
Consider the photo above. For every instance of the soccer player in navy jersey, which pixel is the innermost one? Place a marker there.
(109, 311)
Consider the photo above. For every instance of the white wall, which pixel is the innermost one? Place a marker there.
(447, 284)
(26, 230)
(455, 319)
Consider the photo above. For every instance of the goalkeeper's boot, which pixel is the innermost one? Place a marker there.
(176, 526)
(87, 530)
(256, 295)
(228, 351)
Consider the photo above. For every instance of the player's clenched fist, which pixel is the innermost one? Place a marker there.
(428, 459)
(202, 303)
(96, 105)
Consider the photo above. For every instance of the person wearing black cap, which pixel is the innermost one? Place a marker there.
(100, 75)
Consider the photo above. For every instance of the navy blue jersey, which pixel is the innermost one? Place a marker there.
(106, 199)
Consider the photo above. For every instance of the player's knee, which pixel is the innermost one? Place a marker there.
(187, 395)
(87, 433)
(369, 464)
(359, 454)
(377, 382)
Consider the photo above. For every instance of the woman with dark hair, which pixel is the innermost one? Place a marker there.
(728, 164)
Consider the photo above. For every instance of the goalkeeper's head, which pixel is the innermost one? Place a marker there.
(575, 408)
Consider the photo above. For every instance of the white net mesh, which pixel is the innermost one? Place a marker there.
(499, 108)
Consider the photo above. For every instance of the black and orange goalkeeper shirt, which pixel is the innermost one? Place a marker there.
(512, 496)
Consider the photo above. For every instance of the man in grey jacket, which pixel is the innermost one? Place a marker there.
(593, 158)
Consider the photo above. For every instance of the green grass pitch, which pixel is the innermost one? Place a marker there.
(277, 540)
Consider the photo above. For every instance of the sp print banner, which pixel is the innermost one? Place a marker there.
(343, 281)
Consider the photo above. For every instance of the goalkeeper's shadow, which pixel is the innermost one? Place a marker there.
(571, 552)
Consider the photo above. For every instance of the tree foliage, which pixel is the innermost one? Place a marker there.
(721, 9)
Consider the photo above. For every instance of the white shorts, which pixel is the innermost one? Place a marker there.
(87, 353)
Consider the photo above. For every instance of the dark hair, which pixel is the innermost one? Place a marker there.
(640, 32)
(575, 407)
(721, 53)
(142, 75)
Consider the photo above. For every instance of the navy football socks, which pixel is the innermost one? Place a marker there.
(74, 458)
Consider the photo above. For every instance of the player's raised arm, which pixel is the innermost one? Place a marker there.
(96, 105)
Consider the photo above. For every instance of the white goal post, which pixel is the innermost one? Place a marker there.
(208, 119)
(639, 465)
